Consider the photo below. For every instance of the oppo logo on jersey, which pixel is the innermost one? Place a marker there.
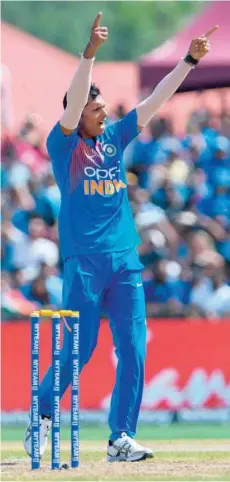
(105, 182)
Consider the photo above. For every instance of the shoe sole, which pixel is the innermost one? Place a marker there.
(122, 458)
(149, 456)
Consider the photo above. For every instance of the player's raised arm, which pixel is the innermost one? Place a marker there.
(199, 47)
(77, 95)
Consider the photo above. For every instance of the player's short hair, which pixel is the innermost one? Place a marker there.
(93, 93)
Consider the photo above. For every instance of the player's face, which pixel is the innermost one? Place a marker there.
(92, 122)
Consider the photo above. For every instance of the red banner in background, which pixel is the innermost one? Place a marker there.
(188, 366)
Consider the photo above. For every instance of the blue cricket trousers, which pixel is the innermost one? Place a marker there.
(112, 283)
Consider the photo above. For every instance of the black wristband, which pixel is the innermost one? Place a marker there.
(190, 60)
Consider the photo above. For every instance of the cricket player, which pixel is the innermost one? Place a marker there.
(98, 239)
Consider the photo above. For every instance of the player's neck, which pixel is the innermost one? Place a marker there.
(82, 133)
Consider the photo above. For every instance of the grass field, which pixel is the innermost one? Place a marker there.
(182, 452)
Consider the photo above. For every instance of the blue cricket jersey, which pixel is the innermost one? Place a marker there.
(95, 214)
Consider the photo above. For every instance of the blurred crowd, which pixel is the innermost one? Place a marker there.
(179, 190)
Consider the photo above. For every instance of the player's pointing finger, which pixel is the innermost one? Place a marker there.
(211, 31)
(97, 20)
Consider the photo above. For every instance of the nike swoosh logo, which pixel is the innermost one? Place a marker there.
(139, 284)
(92, 159)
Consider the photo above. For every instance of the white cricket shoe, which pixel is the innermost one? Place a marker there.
(125, 449)
(45, 425)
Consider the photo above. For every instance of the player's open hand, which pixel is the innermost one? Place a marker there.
(200, 46)
(98, 34)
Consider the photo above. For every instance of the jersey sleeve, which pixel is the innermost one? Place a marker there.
(127, 129)
(60, 148)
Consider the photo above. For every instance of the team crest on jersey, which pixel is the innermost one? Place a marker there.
(109, 149)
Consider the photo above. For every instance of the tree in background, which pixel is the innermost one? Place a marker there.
(134, 27)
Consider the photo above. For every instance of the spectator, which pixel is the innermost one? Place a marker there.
(14, 303)
(27, 252)
(53, 282)
(160, 293)
(219, 302)
(37, 291)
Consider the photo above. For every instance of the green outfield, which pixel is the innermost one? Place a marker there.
(182, 452)
(147, 431)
